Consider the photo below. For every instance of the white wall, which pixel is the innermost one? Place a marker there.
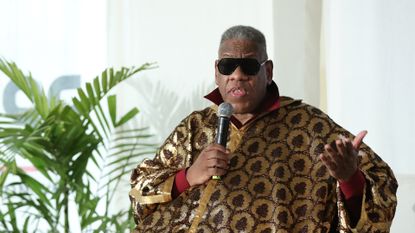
(297, 48)
(182, 37)
(51, 39)
(370, 65)
(62, 43)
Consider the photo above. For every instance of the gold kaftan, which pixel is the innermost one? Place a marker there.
(276, 182)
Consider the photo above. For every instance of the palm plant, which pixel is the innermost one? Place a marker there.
(68, 145)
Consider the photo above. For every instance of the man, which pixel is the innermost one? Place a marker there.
(287, 168)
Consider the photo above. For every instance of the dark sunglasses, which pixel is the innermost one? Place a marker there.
(250, 66)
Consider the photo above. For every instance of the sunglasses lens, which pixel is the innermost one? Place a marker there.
(249, 66)
(226, 66)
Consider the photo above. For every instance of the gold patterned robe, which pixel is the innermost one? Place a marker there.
(276, 181)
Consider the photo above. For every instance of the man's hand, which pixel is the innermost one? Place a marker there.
(212, 161)
(340, 158)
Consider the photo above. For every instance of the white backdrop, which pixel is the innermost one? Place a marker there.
(52, 39)
(182, 37)
(367, 57)
(62, 43)
(370, 67)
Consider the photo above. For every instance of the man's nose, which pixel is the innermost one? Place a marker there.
(238, 74)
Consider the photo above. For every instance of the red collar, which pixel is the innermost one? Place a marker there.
(270, 103)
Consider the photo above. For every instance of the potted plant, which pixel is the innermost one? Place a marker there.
(81, 151)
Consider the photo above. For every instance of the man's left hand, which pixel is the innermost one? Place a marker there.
(340, 158)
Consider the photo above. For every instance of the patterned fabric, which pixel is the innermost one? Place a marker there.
(276, 182)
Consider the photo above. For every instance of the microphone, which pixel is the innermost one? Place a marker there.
(224, 114)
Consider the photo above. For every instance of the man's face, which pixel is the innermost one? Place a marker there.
(244, 92)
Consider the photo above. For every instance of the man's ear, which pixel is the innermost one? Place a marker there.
(269, 67)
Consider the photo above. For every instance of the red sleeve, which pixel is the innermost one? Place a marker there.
(353, 194)
(180, 183)
(354, 186)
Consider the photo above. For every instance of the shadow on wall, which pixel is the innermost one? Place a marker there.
(162, 108)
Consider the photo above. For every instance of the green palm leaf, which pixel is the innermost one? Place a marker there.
(29, 87)
(65, 143)
(89, 102)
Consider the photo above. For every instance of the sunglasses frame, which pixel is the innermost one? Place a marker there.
(240, 62)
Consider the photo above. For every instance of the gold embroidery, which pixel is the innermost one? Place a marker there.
(275, 180)
(164, 196)
(207, 193)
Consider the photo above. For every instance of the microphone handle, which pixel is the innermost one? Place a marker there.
(222, 135)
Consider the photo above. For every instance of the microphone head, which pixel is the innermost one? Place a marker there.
(225, 110)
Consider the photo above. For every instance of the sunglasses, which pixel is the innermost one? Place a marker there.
(250, 66)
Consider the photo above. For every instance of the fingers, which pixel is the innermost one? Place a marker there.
(341, 147)
(328, 162)
(217, 147)
(332, 158)
(357, 141)
(335, 153)
(216, 151)
(350, 148)
(215, 171)
(340, 156)
(216, 160)
(212, 161)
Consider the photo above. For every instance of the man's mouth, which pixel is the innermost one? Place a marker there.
(237, 92)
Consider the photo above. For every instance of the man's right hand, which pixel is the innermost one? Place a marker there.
(212, 161)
